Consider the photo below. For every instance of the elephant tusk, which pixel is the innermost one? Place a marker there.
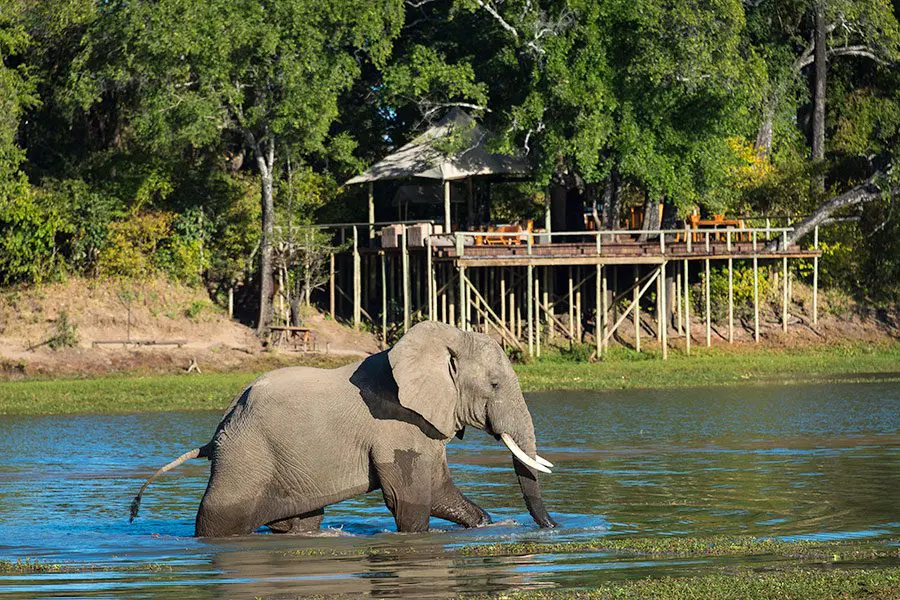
(543, 460)
(520, 454)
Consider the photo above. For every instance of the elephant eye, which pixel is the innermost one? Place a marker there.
(494, 385)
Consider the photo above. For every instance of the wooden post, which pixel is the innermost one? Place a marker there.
(546, 301)
(730, 300)
(404, 258)
(529, 302)
(371, 212)
(537, 315)
(503, 296)
(571, 304)
(384, 303)
(708, 303)
(356, 280)
(679, 323)
(784, 296)
(687, 309)
(660, 309)
(578, 331)
(447, 227)
(815, 307)
(636, 299)
(598, 311)
(755, 299)
(429, 273)
(512, 314)
(462, 296)
(664, 317)
(604, 310)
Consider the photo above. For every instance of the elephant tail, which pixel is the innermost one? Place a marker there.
(201, 452)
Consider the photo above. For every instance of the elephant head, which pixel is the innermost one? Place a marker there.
(453, 379)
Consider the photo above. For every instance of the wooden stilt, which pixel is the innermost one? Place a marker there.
(546, 302)
(503, 296)
(815, 306)
(598, 311)
(356, 281)
(660, 309)
(371, 212)
(708, 304)
(687, 308)
(605, 308)
(571, 304)
(755, 299)
(429, 274)
(231, 293)
(384, 302)
(447, 226)
(665, 327)
(404, 258)
(512, 315)
(530, 308)
(730, 301)
(636, 314)
(578, 321)
(784, 298)
(462, 295)
(679, 322)
(331, 287)
(537, 315)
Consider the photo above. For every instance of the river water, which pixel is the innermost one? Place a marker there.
(793, 462)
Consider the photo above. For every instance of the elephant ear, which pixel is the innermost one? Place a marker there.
(424, 364)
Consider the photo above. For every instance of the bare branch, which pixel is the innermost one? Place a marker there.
(489, 7)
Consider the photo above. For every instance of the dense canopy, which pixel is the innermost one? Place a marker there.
(177, 135)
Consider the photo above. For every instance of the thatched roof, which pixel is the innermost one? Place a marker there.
(421, 158)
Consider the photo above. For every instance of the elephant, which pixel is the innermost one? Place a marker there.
(300, 438)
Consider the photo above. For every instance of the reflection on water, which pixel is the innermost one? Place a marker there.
(800, 462)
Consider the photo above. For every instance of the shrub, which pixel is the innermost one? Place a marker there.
(65, 334)
(743, 291)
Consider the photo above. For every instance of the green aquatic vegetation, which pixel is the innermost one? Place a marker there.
(699, 547)
(32, 565)
(805, 584)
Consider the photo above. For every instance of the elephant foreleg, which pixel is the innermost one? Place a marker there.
(406, 486)
(448, 503)
(304, 523)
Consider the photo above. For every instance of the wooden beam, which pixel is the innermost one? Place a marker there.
(537, 315)
(331, 287)
(529, 302)
(356, 281)
(784, 296)
(404, 256)
(687, 308)
(708, 314)
(730, 301)
(371, 211)
(384, 303)
(447, 226)
(631, 307)
(815, 302)
(661, 275)
(755, 300)
(636, 302)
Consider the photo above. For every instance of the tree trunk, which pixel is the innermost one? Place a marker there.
(765, 133)
(265, 159)
(611, 200)
(818, 126)
(864, 192)
(651, 216)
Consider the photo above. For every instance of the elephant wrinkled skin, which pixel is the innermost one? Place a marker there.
(298, 439)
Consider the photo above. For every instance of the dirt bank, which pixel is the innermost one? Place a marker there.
(53, 330)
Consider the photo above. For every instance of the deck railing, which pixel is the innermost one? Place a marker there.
(757, 236)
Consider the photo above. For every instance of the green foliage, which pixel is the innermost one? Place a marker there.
(65, 334)
(742, 286)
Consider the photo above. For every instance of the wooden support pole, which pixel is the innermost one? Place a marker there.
(331, 287)
(598, 311)
(404, 264)
(815, 306)
(529, 303)
(512, 314)
(546, 302)
(578, 331)
(447, 226)
(687, 308)
(371, 211)
(384, 302)
(503, 296)
(461, 273)
(784, 296)
(604, 309)
(429, 273)
(660, 309)
(730, 301)
(537, 315)
(571, 307)
(636, 299)
(755, 299)
(679, 323)
(231, 293)
(708, 303)
(661, 279)
(356, 281)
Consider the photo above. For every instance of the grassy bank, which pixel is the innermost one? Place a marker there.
(556, 372)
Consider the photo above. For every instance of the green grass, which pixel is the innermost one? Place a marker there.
(793, 584)
(714, 367)
(122, 393)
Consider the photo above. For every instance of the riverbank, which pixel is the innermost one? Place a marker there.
(141, 392)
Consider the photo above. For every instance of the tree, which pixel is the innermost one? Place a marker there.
(250, 73)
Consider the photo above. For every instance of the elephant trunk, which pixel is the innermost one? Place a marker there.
(516, 430)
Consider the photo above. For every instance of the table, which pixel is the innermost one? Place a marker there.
(302, 338)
